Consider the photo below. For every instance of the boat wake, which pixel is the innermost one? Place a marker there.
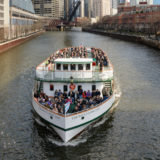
(72, 143)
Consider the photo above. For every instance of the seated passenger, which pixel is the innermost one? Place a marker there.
(80, 92)
(98, 93)
(56, 93)
(55, 108)
(101, 66)
(84, 94)
(36, 95)
(60, 110)
(76, 109)
(76, 95)
(91, 102)
(72, 95)
(93, 93)
(43, 102)
(65, 95)
(59, 93)
(88, 95)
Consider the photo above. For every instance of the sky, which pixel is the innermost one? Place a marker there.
(156, 1)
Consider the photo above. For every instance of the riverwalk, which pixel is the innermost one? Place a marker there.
(15, 42)
(143, 39)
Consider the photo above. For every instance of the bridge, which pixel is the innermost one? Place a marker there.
(61, 24)
(72, 10)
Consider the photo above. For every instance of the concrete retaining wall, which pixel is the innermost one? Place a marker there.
(13, 43)
(134, 38)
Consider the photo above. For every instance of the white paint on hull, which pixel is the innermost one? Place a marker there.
(68, 135)
(69, 126)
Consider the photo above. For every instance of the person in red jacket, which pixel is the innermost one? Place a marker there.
(84, 94)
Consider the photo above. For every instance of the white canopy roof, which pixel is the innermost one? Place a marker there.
(74, 60)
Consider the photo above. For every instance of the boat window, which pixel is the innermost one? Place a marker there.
(51, 87)
(93, 87)
(65, 67)
(88, 66)
(65, 88)
(58, 66)
(73, 67)
(80, 66)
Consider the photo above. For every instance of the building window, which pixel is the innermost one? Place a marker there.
(37, 10)
(93, 87)
(88, 66)
(1, 1)
(51, 87)
(80, 67)
(36, 2)
(47, 10)
(65, 67)
(58, 66)
(1, 14)
(1, 22)
(73, 67)
(1, 8)
(47, 1)
(65, 88)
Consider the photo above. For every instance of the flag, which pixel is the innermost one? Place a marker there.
(67, 105)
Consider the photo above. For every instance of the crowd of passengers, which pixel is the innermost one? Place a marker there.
(81, 100)
(74, 52)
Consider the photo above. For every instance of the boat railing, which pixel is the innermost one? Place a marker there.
(78, 76)
(73, 113)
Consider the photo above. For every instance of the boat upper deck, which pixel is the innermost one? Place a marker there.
(81, 63)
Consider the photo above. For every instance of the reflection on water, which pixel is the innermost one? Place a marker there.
(131, 132)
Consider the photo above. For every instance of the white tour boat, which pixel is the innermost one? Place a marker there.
(74, 87)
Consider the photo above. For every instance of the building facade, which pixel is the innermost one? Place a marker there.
(1, 13)
(17, 18)
(4, 19)
(114, 6)
(82, 9)
(101, 8)
(50, 8)
(1, 19)
(141, 2)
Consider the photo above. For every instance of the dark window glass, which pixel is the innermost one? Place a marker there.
(58, 66)
(65, 88)
(93, 87)
(80, 66)
(73, 67)
(88, 66)
(51, 87)
(65, 66)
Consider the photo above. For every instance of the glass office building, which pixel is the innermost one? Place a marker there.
(23, 20)
(23, 4)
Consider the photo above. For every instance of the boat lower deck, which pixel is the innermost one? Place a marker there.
(68, 125)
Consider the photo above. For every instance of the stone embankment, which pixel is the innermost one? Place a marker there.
(147, 40)
(15, 42)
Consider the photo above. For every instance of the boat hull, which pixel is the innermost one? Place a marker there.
(68, 126)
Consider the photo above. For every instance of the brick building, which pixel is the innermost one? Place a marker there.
(134, 19)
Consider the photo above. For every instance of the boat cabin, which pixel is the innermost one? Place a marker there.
(75, 67)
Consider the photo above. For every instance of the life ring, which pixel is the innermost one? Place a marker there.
(72, 86)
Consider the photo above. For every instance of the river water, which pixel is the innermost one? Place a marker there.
(132, 131)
